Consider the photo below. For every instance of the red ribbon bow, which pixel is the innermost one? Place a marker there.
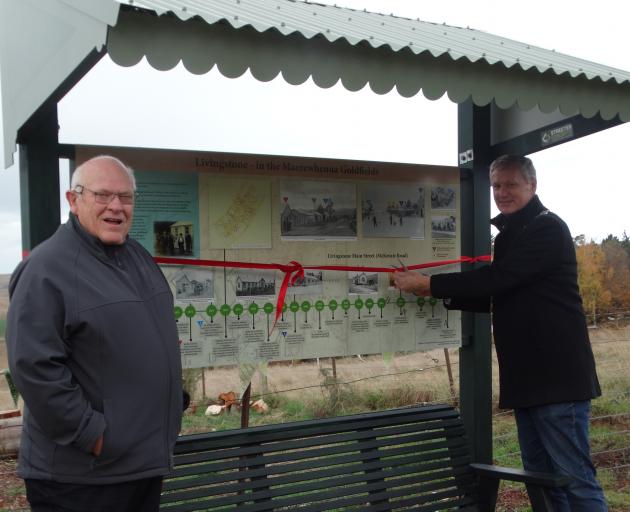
(293, 273)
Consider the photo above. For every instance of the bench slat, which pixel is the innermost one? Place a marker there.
(257, 446)
(341, 497)
(217, 464)
(301, 429)
(457, 456)
(322, 479)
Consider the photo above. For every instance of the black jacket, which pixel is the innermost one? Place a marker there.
(540, 331)
(93, 348)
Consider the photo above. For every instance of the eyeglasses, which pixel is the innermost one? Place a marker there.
(105, 197)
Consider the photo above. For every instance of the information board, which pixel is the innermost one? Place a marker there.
(247, 211)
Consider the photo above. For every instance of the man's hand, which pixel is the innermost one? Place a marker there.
(98, 446)
(413, 282)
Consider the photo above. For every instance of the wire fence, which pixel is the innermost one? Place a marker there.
(436, 381)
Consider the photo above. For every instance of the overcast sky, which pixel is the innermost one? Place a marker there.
(585, 181)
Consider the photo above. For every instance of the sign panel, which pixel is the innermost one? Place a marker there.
(344, 223)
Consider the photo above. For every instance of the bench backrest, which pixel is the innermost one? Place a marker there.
(388, 460)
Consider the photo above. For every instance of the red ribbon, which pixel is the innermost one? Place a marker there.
(294, 271)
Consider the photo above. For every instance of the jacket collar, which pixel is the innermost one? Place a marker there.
(520, 218)
(99, 249)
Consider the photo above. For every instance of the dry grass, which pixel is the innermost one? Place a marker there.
(425, 373)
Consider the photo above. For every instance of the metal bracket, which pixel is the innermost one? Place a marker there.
(466, 157)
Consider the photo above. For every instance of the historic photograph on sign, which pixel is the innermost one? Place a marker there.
(443, 198)
(317, 210)
(192, 283)
(362, 283)
(443, 226)
(173, 238)
(255, 283)
(166, 216)
(392, 211)
(312, 284)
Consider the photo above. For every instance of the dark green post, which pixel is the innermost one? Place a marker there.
(475, 358)
(39, 161)
(39, 176)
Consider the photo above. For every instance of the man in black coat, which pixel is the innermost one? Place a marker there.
(546, 365)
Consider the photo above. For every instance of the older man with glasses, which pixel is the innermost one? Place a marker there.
(93, 349)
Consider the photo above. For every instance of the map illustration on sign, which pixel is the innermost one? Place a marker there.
(239, 213)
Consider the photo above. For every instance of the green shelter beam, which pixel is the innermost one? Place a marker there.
(39, 176)
(547, 136)
(475, 357)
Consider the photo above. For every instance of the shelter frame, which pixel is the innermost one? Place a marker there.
(484, 132)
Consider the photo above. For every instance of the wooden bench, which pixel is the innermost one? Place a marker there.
(415, 457)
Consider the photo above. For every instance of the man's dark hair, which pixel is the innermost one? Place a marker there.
(522, 163)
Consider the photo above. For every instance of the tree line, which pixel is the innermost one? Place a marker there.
(604, 276)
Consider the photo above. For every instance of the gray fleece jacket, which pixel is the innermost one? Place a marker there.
(93, 349)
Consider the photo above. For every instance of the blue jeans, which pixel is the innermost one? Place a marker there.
(554, 439)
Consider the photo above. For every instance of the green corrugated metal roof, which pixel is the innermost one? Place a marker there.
(329, 44)
(311, 19)
(297, 40)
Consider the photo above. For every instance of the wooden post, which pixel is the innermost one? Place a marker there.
(451, 382)
(245, 406)
(10, 433)
(263, 384)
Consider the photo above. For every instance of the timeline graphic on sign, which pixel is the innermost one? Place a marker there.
(219, 332)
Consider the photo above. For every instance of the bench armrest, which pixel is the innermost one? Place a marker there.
(521, 475)
(538, 485)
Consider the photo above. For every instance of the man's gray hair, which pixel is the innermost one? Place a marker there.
(522, 163)
(77, 175)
